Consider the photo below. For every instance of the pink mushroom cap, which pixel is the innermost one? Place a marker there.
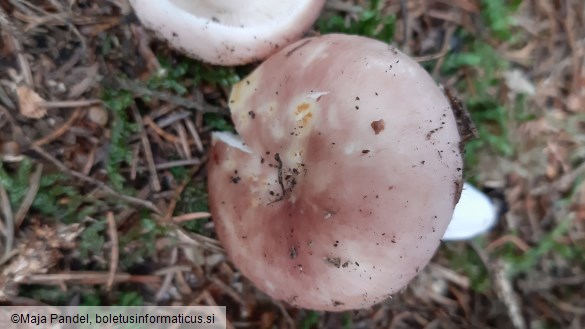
(344, 175)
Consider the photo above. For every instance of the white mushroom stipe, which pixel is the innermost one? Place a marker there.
(354, 170)
(228, 32)
(475, 214)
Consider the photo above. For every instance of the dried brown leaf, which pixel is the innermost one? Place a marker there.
(30, 103)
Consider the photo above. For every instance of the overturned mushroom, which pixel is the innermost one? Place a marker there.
(345, 177)
(228, 32)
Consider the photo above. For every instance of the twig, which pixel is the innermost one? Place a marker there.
(69, 104)
(211, 302)
(114, 82)
(563, 305)
(121, 217)
(168, 137)
(134, 162)
(90, 162)
(88, 278)
(170, 164)
(191, 216)
(444, 49)
(426, 58)
(228, 290)
(183, 138)
(77, 55)
(6, 100)
(61, 130)
(172, 118)
(31, 194)
(196, 138)
(144, 49)
(551, 282)
(516, 241)
(177, 195)
(172, 270)
(450, 275)
(507, 295)
(498, 270)
(168, 277)
(76, 174)
(154, 180)
(8, 225)
(115, 251)
(182, 284)
(198, 240)
(287, 317)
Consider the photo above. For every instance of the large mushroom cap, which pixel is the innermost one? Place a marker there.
(347, 175)
(228, 32)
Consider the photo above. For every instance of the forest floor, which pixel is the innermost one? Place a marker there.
(104, 133)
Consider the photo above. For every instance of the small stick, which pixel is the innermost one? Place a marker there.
(69, 104)
(134, 162)
(83, 277)
(115, 251)
(35, 181)
(172, 118)
(167, 281)
(170, 164)
(126, 213)
(61, 130)
(173, 269)
(182, 284)
(211, 302)
(183, 138)
(196, 138)
(168, 137)
(444, 49)
(191, 216)
(90, 162)
(9, 224)
(516, 241)
(177, 195)
(228, 290)
(154, 180)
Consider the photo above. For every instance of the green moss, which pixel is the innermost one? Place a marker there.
(370, 23)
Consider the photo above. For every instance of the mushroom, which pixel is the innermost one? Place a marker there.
(474, 215)
(344, 175)
(228, 32)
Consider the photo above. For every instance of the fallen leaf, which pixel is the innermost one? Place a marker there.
(517, 81)
(30, 103)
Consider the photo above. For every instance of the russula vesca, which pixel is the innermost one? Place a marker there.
(345, 177)
(228, 32)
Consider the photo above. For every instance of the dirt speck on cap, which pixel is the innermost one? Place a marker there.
(378, 126)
